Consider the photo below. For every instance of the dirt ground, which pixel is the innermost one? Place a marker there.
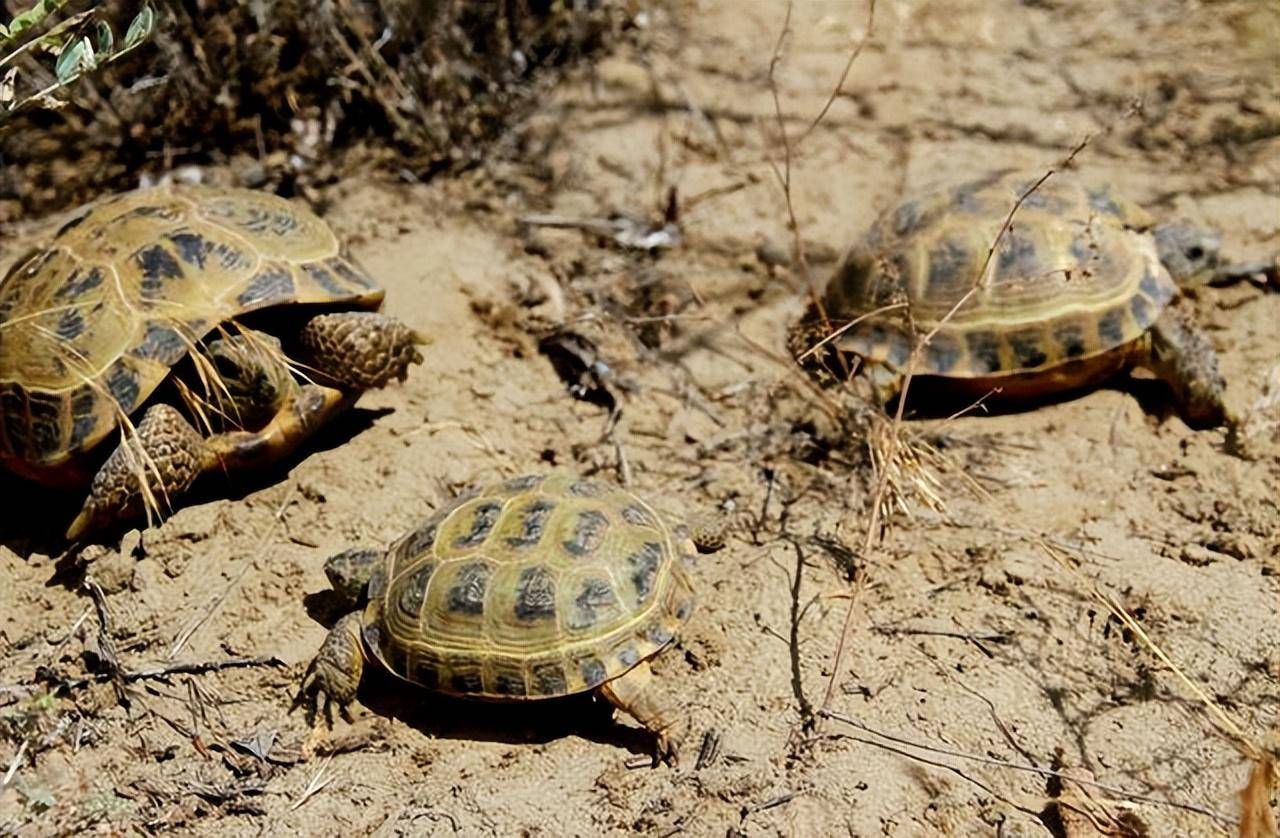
(970, 651)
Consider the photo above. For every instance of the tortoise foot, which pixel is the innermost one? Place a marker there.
(357, 350)
(334, 674)
(1181, 354)
(636, 693)
(147, 472)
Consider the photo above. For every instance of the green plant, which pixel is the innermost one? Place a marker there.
(75, 45)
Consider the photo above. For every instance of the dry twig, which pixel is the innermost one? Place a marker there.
(1015, 766)
(319, 781)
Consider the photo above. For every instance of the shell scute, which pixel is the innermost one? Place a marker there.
(984, 352)
(413, 592)
(532, 520)
(467, 592)
(643, 565)
(535, 595)
(270, 285)
(592, 671)
(593, 601)
(585, 532)
(1028, 349)
(79, 283)
(943, 353)
(550, 679)
(1144, 313)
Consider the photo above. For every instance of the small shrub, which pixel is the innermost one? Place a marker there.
(302, 89)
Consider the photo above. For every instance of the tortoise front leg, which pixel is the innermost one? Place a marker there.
(149, 469)
(334, 673)
(636, 693)
(1180, 354)
(356, 350)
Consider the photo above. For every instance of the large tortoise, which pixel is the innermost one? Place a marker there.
(1078, 288)
(214, 300)
(536, 587)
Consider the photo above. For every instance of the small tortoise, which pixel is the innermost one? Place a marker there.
(207, 298)
(537, 587)
(1078, 288)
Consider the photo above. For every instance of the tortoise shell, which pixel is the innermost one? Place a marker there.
(1075, 276)
(91, 324)
(536, 587)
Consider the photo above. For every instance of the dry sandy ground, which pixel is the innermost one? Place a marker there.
(969, 649)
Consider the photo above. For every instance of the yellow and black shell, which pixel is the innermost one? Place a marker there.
(91, 324)
(1074, 276)
(535, 587)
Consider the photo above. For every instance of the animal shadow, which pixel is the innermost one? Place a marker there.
(513, 722)
(37, 516)
(931, 397)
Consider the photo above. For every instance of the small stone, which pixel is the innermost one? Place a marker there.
(1231, 545)
(114, 572)
(772, 254)
(1198, 555)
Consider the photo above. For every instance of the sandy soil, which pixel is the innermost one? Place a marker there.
(969, 649)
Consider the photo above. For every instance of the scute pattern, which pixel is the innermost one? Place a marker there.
(1075, 276)
(533, 587)
(124, 290)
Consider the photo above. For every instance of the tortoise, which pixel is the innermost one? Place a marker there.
(535, 587)
(215, 300)
(1079, 287)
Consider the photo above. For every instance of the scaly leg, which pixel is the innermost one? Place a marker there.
(334, 673)
(167, 455)
(149, 469)
(636, 693)
(1181, 355)
(356, 350)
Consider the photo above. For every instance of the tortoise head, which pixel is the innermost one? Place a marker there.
(1189, 253)
(349, 573)
(251, 369)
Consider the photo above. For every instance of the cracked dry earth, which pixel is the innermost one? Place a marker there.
(968, 638)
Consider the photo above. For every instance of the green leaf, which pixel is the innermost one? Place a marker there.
(77, 56)
(34, 15)
(7, 86)
(140, 28)
(104, 37)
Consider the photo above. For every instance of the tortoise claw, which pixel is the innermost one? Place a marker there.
(334, 675)
(308, 694)
(665, 751)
